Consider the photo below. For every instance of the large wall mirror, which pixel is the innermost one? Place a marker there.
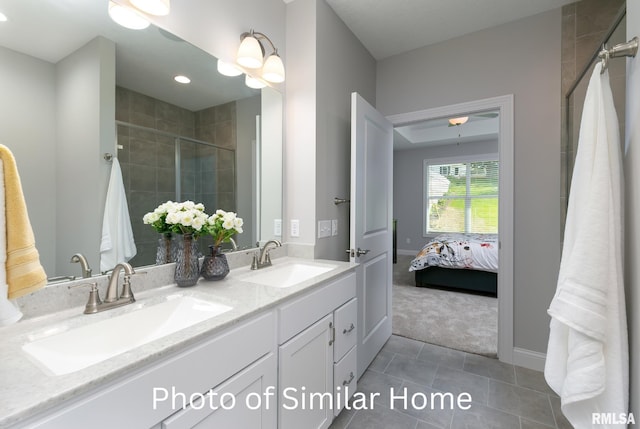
(76, 86)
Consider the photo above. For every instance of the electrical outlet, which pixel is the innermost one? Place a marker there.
(324, 228)
(277, 227)
(408, 240)
(334, 227)
(295, 228)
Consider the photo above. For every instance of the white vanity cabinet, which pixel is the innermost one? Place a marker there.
(241, 360)
(246, 400)
(317, 352)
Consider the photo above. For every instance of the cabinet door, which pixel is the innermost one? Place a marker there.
(246, 400)
(306, 378)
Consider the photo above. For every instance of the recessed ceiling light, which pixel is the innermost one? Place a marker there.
(3, 17)
(182, 79)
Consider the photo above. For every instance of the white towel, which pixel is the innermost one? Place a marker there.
(117, 244)
(9, 312)
(587, 358)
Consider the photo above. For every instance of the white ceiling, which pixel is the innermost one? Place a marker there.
(390, 27)
(481, 126)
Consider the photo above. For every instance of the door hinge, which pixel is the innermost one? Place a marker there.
(332, 334)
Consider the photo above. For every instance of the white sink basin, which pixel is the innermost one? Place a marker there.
(95, 342)
(288, 275)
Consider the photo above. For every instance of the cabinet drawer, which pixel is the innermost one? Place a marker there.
(305, 311)
(240, 408)
(345, 379)
(346, 318)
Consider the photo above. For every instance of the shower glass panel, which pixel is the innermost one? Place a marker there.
(576, 96)
(158, 166)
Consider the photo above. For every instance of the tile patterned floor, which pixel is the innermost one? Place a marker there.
(503, 395)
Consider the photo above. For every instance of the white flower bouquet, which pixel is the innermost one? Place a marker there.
(222, 226)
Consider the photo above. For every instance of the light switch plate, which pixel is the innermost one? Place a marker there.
(334, 227)
(295, 228)
(324, 228)
(277, 227)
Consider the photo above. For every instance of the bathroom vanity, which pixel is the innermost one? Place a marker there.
(278, 350)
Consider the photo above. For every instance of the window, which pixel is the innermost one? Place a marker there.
(461, 196)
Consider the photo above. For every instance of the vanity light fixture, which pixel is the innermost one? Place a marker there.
(127, 16)
(153, 7)
(251, 55)
(458, 121)
(182, 79)
(253, 82)
(228, 69)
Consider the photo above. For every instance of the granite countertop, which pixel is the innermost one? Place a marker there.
(28, 388)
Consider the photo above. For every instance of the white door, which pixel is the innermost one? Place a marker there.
(371, 225)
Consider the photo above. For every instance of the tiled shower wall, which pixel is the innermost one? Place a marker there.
(584, 25)
(147, 158)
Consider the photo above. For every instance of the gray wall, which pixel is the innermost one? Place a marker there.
(85, 116)
(632, 197)
(326, 63)
(520, 58)
(52, 119)
(27, 127)
(408, 187)
(343, 66)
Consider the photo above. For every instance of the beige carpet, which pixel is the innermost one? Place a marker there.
(456, 320)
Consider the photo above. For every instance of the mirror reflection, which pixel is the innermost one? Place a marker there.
(83, 87)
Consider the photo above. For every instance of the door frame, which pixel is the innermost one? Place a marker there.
(504, 104)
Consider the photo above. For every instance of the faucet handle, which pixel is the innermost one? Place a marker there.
(94, 297)
(126, 288)
(126, 285)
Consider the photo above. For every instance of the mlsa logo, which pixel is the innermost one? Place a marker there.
(612, 419)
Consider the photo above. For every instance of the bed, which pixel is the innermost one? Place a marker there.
(466, 262)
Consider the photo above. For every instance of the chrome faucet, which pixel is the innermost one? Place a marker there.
(79, 257)
(264, 260)
(111, 300)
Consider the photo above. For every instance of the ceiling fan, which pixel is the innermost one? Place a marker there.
(454, 122)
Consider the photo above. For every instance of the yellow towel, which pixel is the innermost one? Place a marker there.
(24, 272)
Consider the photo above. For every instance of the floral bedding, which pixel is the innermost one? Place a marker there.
(466, 251)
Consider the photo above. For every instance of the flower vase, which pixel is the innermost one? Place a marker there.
(164, 251)
(186, 259)
(215, 265)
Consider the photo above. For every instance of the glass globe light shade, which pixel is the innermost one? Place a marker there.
(228, 69)
(273, 70)
(250, 53)
(127, 17)
(153, 7)
(459, 121)
(252, 82)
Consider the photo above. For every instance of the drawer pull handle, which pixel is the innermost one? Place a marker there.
(351, 328)
(351, 377)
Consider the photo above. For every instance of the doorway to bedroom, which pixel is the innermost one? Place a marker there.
(453, 172)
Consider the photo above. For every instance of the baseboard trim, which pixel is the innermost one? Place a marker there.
(407, 252)
(529, 359)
